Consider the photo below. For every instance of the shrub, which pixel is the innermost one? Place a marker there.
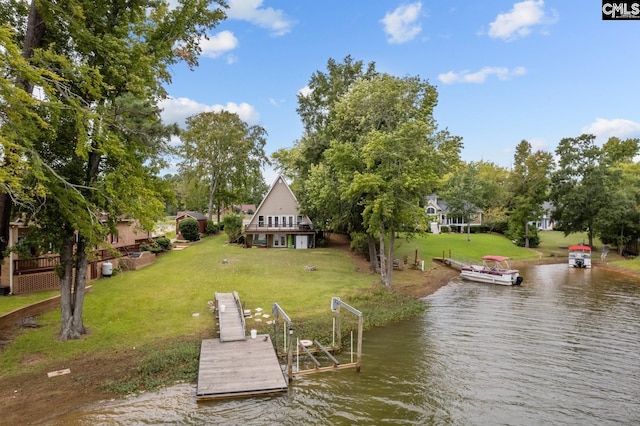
(164, 243)
(232, 226)
(322, 242)
(189, 229)
(212, 227)
(360, 243)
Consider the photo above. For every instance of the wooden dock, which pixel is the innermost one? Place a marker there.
(239, 369)
(235, 365)
(230, 317)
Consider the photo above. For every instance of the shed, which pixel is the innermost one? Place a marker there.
(201, 218)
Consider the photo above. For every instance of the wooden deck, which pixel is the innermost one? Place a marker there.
(239, 369)
(234, 365)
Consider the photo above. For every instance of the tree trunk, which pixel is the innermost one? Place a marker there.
(72, 288)
(389, 278)
(526, 234)
(383, 260)
(32, 39)
(5, 220)
(66, 287)
(373, 254)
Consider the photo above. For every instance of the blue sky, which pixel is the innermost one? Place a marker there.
(505, 71)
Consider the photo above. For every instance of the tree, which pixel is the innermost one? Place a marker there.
(619, 223)
(529, 182)
(464, 194)
(386, 156)
(580, 185)
(102, 146)
(225, 154)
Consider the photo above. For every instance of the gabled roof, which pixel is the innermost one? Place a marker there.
(195, 215)
(279, 179)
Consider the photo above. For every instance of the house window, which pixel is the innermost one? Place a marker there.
(275, 221)
(284, 221)
(269, 219)
(299, 220)
(114, 238)
(290, 221)
(431, 210)
(261, 221)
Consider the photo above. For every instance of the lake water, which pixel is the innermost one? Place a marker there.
(562, 349)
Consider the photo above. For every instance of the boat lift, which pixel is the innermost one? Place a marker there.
(305, 345)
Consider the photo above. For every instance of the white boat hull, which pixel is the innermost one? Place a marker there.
(491, 277)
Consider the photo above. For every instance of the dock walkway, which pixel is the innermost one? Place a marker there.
(230, 317)
(234, 365)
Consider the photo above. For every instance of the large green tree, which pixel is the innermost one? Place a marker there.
(223, 154)
(385, 156)
(529, 184)
(619, 223)
(102, 147)
(580, 186)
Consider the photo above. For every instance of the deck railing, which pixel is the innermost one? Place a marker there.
(48, 263)
(275, 228)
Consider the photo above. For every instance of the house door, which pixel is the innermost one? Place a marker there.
(302, 241)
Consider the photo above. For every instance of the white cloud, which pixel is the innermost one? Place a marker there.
(618, 127)
(305, 91)
(401, 25)
(218, 44)
(252, 11)
(481, 76)
(519, 21)
(176, 110)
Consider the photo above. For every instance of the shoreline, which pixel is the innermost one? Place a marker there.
(36, 398)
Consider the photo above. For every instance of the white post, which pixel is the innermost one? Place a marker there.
(297, 355)
(333, 334)
(422, 267)
(352, 346)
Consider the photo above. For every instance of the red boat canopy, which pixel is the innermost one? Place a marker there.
(580, 247)
(495, 258)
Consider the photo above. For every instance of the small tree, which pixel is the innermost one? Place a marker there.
(232, 226)
(189, 229)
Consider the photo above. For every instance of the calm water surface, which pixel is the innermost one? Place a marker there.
(562, 349)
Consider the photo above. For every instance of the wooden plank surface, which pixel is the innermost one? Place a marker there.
(239, 368)
(230, 321)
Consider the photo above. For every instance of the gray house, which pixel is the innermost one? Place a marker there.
(278, 223)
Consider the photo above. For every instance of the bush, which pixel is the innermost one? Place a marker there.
(212, 227)
(232, 226)
(360, 244)
(322, 243)
(189, 229)
(164, 243)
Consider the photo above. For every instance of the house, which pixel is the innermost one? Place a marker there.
(277, 222)
(19, 276)
(438, 212)
(545, 223)
(201, 218)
